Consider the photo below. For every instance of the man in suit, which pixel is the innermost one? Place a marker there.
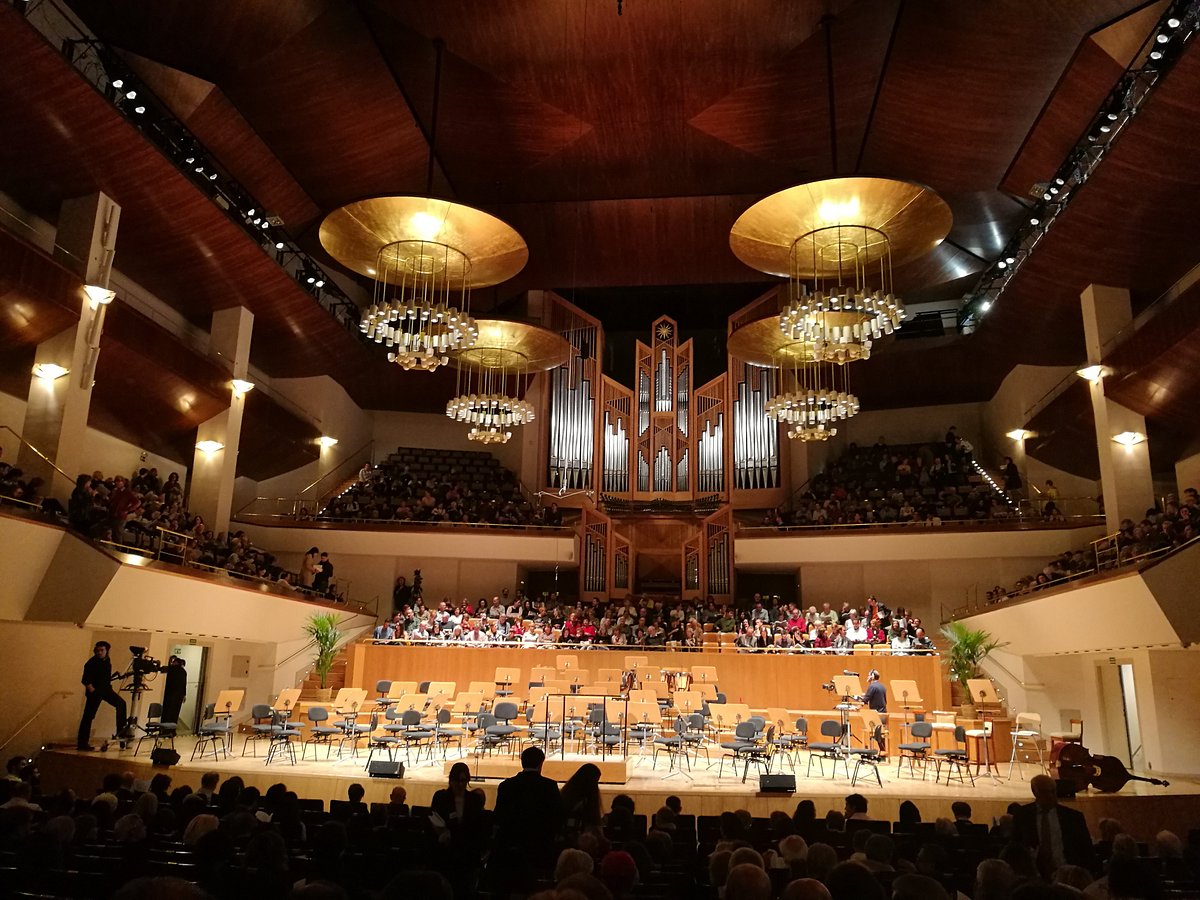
(1059, 835)
(529, 820)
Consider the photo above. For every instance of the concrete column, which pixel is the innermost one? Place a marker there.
(56, 416)
(1125, 475)
(210, 493)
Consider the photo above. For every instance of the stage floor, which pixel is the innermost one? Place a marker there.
(1142, 808)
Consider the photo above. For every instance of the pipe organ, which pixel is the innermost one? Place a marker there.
(573, 406)
(755, 437)
(664, 378)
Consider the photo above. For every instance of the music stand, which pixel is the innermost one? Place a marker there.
(988, 702)
(848, 688)
(228, 702)
(286, 702)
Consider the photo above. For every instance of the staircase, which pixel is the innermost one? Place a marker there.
(336, 680)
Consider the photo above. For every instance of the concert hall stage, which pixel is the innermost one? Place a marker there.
(1142, 808)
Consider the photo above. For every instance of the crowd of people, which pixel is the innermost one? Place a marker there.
(147, 513)
(483, 494)
(226, 839)
(1159, 530)
(921, 484)
(765, 624)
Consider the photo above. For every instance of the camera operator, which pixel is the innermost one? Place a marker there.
(97, 682)
(175, 690)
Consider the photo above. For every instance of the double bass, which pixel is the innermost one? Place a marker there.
(1107, 774)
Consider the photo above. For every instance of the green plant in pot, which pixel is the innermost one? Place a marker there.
(965, 649)
(324, 631)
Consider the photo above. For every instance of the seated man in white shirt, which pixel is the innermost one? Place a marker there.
(856, 632)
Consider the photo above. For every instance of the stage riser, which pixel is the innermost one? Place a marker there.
(791, 682)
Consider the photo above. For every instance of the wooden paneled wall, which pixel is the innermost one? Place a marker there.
(760, 680)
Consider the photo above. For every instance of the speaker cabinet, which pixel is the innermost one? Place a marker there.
(777, 784)
(385, 768)
(164, 756)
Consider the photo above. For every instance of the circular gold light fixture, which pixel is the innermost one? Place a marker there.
(425, 257)
(494, 375)
(836, 241)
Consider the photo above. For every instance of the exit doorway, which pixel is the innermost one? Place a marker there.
(195, 659)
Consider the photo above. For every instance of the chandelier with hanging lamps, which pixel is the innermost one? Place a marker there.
(425, 256)
(836, 242)
(494, 376)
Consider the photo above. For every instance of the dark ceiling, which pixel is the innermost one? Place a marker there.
(623, 148)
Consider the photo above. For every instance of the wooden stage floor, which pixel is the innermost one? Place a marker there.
(1142, 808)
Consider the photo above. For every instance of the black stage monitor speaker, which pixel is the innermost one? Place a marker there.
(777, 784)
(385, 768)
(164, 756)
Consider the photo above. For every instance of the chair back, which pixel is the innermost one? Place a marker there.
(410, 717)
(443, 716)
(155, 711)
(831, 728)
(505, 711)
(423, 687)
(922, 730)
(802, 727)
(681, 725)
(318, 714)
(1033, 720)
(745, 731)
(260, 711)
(383, 686)
(960, 734)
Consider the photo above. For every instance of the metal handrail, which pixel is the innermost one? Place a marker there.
(349, 456)
(680, 648)
(1015, 523)
(53, 465)
(292, 521)
(55, 695)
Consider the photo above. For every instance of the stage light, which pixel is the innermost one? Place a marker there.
(1129, 438)
(1162, 38)
(321, 282)
(1156, 54)
(985, 305)
(1173, 22)
(311, 279)
(118, 83)
(1035, 221)
(1010, 259)
(250, 213)
(266, 225)
(1105, 128)
(100, 296)
(139, 109)
(279, 245)
(209, 447)
(50, 371)
(212, 177)
(1002, 264)
(131, 95)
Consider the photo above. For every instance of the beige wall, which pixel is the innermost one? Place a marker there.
(1187, 473)
(436, 432)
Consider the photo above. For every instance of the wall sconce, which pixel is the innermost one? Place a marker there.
(1020, 434)
(209, 447)
(241, 387)
(1129, 438)
(326, 441)
(1093, 373)
(50, 371)
(100, 296)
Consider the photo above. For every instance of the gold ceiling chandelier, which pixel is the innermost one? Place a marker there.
(425, 257)
(494, 376)
(836, 241)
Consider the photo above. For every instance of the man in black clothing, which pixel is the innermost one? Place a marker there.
(529, 819)
(97, 682)
(175, 690)
(324, 571)
(876, 695)
(1057, 834)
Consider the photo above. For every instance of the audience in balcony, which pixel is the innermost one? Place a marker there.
(462, 490)
(1159, 531)
(922, 484)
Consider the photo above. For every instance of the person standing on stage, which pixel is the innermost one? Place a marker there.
(876, 695)
(97, 682)
(175, 690)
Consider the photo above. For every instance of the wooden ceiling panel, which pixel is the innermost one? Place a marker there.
(1065, 433)
(1072, 106)
(965, 82)
(38, 299)
(228, 137)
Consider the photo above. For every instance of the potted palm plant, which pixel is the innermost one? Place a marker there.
(323, 629)
(966, 648)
